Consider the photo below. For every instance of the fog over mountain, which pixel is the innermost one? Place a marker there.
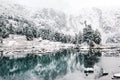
(62, 19)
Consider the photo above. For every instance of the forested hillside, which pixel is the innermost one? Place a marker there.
(46, 23)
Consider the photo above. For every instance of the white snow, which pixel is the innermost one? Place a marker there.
(12, 43)
(19, 46)
(84, 45)
(117, 75)
(89, 69)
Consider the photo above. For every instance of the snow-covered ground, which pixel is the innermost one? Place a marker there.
(17, 44)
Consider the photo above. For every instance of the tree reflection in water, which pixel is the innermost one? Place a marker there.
(49, 66)
(92, 57)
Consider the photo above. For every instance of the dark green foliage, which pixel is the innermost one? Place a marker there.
(97, 37)
(11, 29)
(5, 33)
(78, 38)
(35, 32)
(54, 36)
(60, 37)
(57, 36)
(45, 33)
(91, 58)
(90, 36)
(63, 38)
(29, 34)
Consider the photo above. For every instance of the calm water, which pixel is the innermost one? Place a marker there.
(64, 65)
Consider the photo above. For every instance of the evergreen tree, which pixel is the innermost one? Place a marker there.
(78, 38)
(11, 29)
(1, 40)
(3, 31)
(29, 34)
(97, 37)
(90, 36)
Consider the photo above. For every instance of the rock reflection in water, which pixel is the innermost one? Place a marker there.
(47, 66)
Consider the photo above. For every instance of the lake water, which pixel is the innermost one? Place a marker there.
(65, 65)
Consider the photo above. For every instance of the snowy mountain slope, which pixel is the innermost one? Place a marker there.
(11, 9)
(49, 18)
(13, 14)
(106, 21)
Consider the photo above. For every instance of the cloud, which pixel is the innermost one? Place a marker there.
(69, 6)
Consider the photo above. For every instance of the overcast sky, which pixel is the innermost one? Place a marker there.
(72, 6)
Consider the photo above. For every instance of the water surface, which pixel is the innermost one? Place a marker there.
(64, 65)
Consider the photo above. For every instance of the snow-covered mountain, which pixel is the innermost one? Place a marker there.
(114, 38)
(12, 9)
(106, 21)
(50, 18)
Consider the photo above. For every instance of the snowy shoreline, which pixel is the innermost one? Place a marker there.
(18, 46)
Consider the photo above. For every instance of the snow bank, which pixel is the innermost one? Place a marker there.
(19, 46)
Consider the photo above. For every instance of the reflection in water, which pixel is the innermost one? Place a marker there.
(47, 66)
(91, 58)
